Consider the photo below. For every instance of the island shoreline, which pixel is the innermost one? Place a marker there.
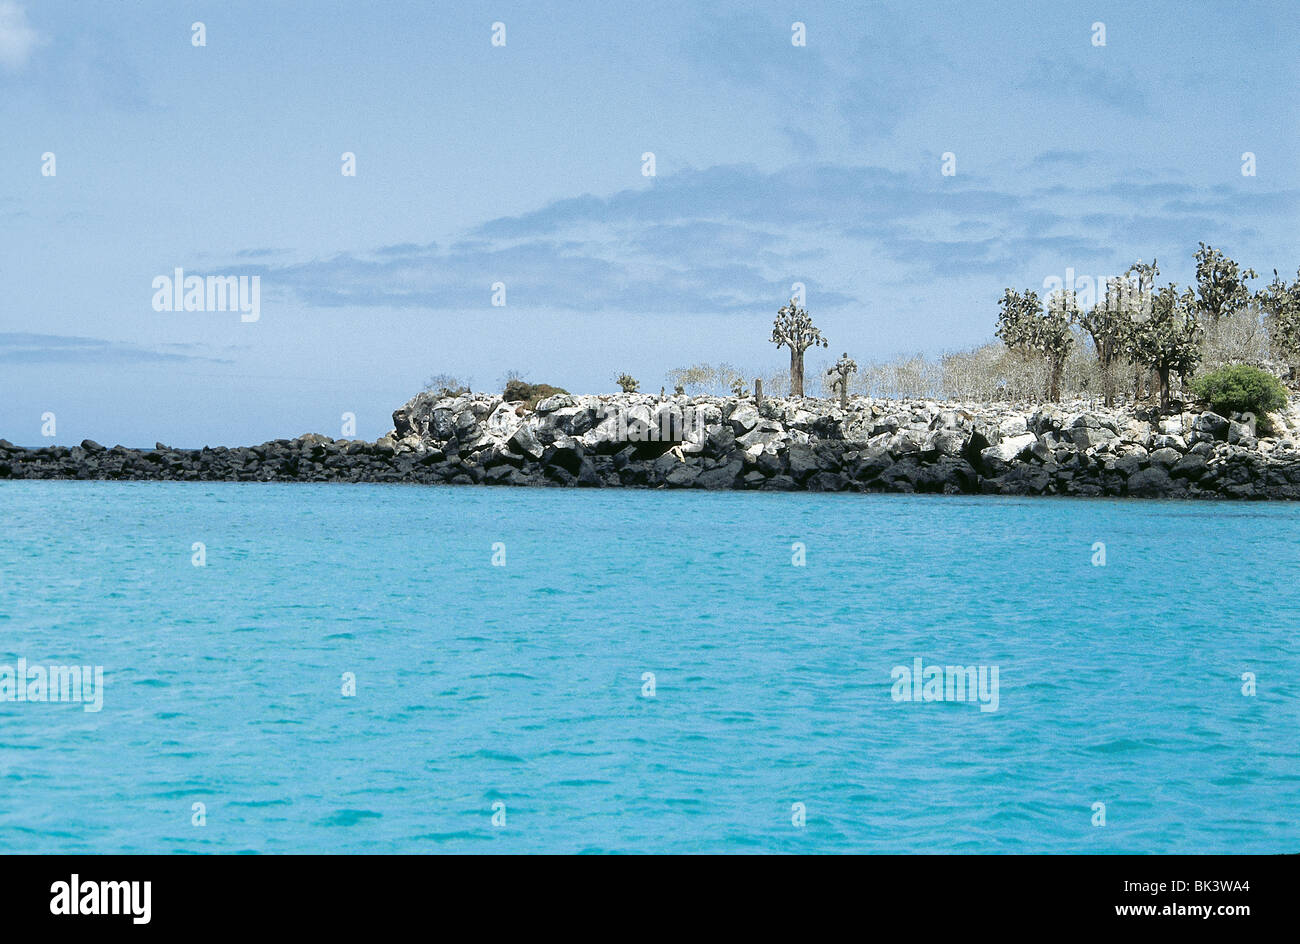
(732, 443)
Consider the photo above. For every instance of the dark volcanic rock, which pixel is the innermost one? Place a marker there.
(723, 476)
(1152, 482)
(803, 462)
(565, 453)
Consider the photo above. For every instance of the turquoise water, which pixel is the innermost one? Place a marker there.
(480, 685)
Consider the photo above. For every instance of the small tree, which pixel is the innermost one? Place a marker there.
(839, 375)
(1141, 280)
(729, 379)
(1023, 324)
(1281, 306)
(1220, 284)
(509, 376)
(693, 380)
(1055, 338)
(628, 383)
(1108, 323)
(1168, 340)
(445, 385)
(793, 328)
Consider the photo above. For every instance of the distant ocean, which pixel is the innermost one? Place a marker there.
(646, 672)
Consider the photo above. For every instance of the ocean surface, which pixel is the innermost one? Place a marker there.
(507, 708)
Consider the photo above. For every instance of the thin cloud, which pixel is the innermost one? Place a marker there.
(729, 239)
(17, 38)
(26, 348)
(1064, 158)
(541, 273)
(1081, 81)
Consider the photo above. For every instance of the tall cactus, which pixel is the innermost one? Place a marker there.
(840, 374)
(793, 328)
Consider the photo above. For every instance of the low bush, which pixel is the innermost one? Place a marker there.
(1240, 388)
(529, 394)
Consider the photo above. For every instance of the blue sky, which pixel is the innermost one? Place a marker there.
(522, 164)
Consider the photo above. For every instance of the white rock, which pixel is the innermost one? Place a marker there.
(555, 402)
(1013, 426)
(743, 418)
(1008, 449)
(503, 421)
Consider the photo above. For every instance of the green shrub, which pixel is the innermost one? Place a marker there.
(517, 390)
(1240, 388)
(530, 394)
(628, 383)
(539, 392)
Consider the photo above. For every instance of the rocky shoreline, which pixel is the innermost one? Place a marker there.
(643, 441)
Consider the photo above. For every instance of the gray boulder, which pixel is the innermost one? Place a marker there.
(525, 441)
(565, 453)
(1095, 421)
(803, 462)
(556, 402)
(1152, 482)
(1242, 432)
(722, 477)
(1009, 448)
(1212, 425)
(743, 418)
(1085, 437)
